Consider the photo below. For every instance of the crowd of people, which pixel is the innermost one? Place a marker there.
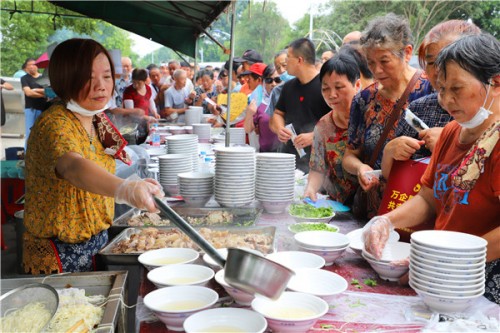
(342, 115)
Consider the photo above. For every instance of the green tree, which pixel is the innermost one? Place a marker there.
(261, 28)
(27, 34)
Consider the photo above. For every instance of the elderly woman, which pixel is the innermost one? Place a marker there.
(426, 108)
(177, 98)
(206, 89)
(339, 82)
(70, 181)
(461, 183)
(256, 118)
(387, 44)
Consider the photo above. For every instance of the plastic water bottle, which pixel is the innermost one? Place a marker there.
(209, 166)
(155, 136)
(201, 161)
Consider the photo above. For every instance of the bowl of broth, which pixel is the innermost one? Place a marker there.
(167, 256)
(180, 275)
(292, 312)
(225, 320)
(172, 305)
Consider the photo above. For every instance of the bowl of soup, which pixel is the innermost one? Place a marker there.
(292, 312)
(225, 320)
(167, 256)
(180, 275)
(172, 305)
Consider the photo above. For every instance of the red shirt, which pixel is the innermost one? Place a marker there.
(476, 211)
(140, 101)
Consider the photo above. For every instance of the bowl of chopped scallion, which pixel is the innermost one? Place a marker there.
(310, 226)
(308, 213)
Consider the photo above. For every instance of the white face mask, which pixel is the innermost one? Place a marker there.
(75, 107)
(481, 115)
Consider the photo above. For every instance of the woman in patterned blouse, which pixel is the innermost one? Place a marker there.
(339, 82)
(70, 181)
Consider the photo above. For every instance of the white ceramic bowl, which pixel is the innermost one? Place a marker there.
(449, 240)
(241, 297)
(463, 266)
(447, 271)
(167, 256)
(387, 271)
(457, 291)
(356, 239)
(430, 280)
(172, 305)
(322, 240)
(172, 190)
(297, 259)
(196, 201)
(392, 252)
(275, 207)
(311, 219)
(451, 277)
(180, 275)
(445, 304)
(446, 259)
(318, 282)
(450, 254)
(292, 312)
(328, 255)
(225, 320)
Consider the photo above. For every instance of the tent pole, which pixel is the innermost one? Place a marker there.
(231, 56)
(195, 61)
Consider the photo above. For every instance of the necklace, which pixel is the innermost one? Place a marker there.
(90, 134)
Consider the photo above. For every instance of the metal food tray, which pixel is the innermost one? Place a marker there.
(243, 217)
(111, 258)
(110, 284)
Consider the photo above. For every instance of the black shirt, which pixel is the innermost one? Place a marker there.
(37, 103)
(303, 106)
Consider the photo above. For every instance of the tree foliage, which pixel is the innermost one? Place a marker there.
(346, 16)
(28, 34)
(262, 28)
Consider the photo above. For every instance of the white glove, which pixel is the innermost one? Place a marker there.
(139, 193)
(376, 234)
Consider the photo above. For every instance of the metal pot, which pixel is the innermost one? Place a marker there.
(244, 270)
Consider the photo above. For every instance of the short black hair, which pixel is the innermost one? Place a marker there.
(477, 54)
(207, 72)
(268, 71)
(26, 62)
(185, 64)
(360, 59)
(342, 64)
(151, 66)
(139, 74)
(304, 47)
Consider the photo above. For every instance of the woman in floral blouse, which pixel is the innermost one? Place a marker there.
(70, 181)
(339, 82)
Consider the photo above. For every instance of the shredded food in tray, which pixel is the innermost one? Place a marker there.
(30, 318)
(152, 238)
(212, 218)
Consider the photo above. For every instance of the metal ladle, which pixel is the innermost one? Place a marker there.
(244, 270)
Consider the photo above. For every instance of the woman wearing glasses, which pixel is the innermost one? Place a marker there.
(256, 118)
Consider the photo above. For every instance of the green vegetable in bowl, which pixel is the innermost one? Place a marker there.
(308, 226)
(308, 211)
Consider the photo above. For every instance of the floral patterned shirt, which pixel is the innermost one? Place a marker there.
(327, 153)
(54, 207)
(370, 112)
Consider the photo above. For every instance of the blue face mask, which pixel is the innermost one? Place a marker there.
(286, 77)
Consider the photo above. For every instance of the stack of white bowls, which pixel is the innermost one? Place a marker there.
(196, 188)
(326, 244)
(234, 176)
(275, 181)
(237, 136)
(385, 267)
(184, 144)
(447, 268)
(170, 166)
(203, 132)
(193, 115)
